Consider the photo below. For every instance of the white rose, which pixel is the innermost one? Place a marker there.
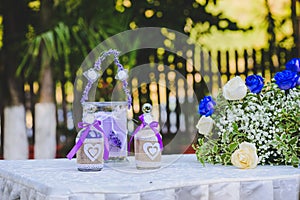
(245, 157)
(247, 145)
(205, 125)
(235, 89)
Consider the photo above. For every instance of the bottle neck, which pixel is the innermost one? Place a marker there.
(88, 117)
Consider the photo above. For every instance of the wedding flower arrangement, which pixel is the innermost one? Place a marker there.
(252, 122)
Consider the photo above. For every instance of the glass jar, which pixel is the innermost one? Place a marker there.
(147, 149)
(113, 117)
(89, 157)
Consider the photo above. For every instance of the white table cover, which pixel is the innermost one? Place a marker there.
(181, 177)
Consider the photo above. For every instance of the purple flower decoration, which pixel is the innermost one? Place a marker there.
(114, 140)
(293, 65)
(286, 79)
(255, 83)
(206, 106)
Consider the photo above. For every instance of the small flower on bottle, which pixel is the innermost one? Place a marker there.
(122, 75)
(91, 75)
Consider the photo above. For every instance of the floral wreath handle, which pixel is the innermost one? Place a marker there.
(92, 75)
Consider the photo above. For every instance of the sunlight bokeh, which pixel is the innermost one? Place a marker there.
(246, 13)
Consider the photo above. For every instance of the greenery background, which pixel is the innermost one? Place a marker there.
(44, 42)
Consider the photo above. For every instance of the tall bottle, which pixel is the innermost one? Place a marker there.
(89, 157)
(146, 143)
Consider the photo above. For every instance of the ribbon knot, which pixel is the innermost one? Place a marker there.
(87, 127)
(153, 125)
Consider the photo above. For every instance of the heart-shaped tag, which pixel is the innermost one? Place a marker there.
(92, 151)
(151, 150)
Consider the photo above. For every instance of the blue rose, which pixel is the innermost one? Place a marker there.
(293, 65)
(255, 83)
(286, 79)
(206, 106)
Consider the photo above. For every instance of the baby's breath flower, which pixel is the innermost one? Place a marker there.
(269, 120)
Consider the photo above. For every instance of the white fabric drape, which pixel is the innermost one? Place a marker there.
(181, 177)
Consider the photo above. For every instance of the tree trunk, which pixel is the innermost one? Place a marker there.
(45, 131)
(15, 138)
(296, 28)
(14, 22)
(45, 113)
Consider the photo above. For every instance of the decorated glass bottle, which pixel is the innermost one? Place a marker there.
(147, 147)
(89, 157)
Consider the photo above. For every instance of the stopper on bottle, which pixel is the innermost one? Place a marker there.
(147, 108)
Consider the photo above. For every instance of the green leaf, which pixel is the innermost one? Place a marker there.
(201, 160)
(293, 140)
(223, 156)
(30, 55)
(48, 40)
(233, 146)
(283, 136)
(78, 39)
(227, 159)
(295, 161)
(224, 136)
(235, 127)
(36, 46)
(293, 130)
(200, 141)
(215, 148)
(21, 66)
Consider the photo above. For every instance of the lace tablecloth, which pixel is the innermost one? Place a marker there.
(181, 177)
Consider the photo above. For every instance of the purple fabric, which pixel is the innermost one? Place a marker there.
(112, 126)
(85, 133)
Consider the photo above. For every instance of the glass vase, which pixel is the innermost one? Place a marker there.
(113, 117)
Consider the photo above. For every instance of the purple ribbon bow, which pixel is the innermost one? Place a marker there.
(96, 124)
(153, 125)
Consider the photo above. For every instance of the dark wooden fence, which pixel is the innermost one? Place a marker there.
(173, 83)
